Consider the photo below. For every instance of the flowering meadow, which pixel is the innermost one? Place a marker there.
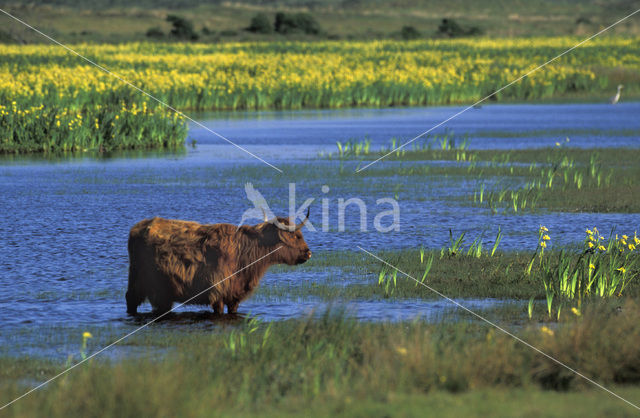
(54, 100)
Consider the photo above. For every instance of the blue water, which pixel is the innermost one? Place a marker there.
(65, 222)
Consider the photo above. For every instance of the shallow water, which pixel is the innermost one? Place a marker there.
(65, 222)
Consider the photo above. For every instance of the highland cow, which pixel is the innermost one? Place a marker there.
(173, 261)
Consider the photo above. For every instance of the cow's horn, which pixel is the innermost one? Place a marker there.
(264, 214)
(301, 224)
(282, 226)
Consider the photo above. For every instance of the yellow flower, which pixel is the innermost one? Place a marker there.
(592, 267)
(622, 270)
(86, 335)
(591, 238)
(625, 237)
(590, 244)
(601, 248)
(543, 244)
(589, 232)
(402, 351)
(575, 311)
(632, 247)
(546, 330)
(543, 228)
(546, 238)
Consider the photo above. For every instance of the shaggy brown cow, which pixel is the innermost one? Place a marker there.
(172, 260)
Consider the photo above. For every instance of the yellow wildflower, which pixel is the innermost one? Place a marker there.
(543, 244)
(546, 330)
(622, 270)
(546, 238)
(601, 248)
(575, 311)
(589, 232)
(86, 335)
(632, 247)
(590, 244)
(401, 350)
(591, 266)
(543, 228)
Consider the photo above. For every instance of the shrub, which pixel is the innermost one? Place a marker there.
(409, 32)
(182, 28)
(155, 32)
(6, 38)
(286, 23)
(451, 29)
(260, 23)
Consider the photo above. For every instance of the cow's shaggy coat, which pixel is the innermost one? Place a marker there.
(172, 261)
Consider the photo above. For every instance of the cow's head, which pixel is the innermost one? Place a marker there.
(282, 232)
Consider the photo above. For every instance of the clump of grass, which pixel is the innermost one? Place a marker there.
(603, 270)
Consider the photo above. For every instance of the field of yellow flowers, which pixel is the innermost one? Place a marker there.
(48, 94)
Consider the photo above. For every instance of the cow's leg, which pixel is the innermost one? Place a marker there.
(133, 297)
(133, 301)
(161, 301)
(162, 308)
(232, 306)
(218, 306)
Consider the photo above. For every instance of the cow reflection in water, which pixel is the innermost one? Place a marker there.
(173, 261)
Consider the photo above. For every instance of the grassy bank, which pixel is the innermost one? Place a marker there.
(561, 178)
(122, 21)
(347, 366)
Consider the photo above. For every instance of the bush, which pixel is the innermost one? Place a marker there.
(6, 38)
(260, 23)
(409, 32)
(451, 29)
(155, 32)
(287, 23)
(182, 28)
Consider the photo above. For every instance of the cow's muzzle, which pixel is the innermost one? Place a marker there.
(304, 257)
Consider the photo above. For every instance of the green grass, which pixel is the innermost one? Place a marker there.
(503, 275)
(118, 21)
(346, 366)
(516, 181)
(88, 129)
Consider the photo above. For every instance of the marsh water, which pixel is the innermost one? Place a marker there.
(64, 221)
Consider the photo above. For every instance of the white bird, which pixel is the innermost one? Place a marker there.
(615, 98)
(260, 208)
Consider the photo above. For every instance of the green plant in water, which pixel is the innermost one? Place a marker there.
(603, 269)
(83, 348)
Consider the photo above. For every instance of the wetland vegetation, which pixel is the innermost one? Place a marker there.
(527, 220)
